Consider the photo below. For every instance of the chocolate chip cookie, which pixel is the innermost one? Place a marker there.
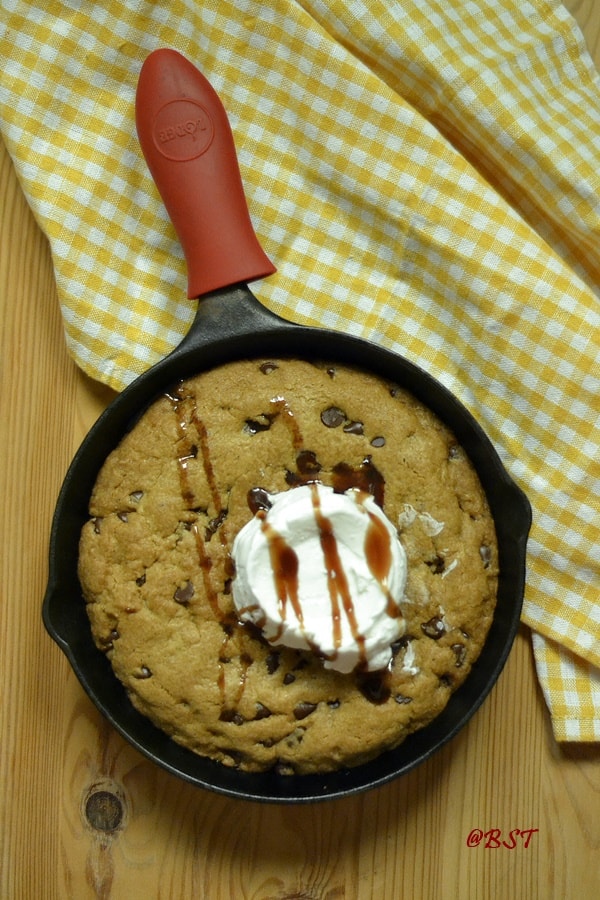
(156, 569)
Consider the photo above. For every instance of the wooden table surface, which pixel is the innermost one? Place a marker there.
(409, 839)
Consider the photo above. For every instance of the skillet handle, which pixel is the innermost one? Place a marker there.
(186, 139)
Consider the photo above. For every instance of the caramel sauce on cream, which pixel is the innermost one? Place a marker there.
(337, 582)
(285, 567)
(284, 562)
(378, 554)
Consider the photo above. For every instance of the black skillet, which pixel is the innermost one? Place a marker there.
(188, 144)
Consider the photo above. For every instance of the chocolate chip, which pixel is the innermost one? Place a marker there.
(267, 367)
(262, 711)
(454, 452)
(232, 715)
(289, 678)
(301, 664)
(378, 441)
(365, 477)
(447, 680)
(334, 704)
(96, 521)
(331, 372)
(460, 652)
(107, 640)
(136, 496)
(123, 516)
(307, 462)
(308, 467)
(437, 564)
(236, 757)
(184, 594)
(401, 644)
(272, 662)
(374, 686)
(296, 737)
(214, 524)
(402, 699)
(333, 417)
(354, 428)
(434, 628)
(262, 423)
(258, 498)
(486, 555)
(141, 580)
(143, 673)
(304, 709)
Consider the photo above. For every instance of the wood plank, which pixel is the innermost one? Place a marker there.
(62, 768)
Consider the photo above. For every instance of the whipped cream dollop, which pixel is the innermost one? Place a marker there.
(323, 571)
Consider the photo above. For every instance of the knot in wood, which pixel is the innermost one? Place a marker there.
(104, 811)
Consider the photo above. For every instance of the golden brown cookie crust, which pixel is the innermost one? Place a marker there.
(156, 570)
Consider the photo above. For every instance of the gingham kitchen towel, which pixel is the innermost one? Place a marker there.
(424, 174)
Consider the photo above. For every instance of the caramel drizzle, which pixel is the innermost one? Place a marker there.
(183, 459)
(337, 582)
(378, 553)
(191, 449)
(283, 557)
(229, 711)
(284, 563)
(207, 462)
(283, 407)
(190, 452)
(205, 568)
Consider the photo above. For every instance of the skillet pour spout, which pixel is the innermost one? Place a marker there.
(231, 324)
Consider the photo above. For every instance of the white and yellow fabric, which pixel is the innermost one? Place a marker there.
(424, 174)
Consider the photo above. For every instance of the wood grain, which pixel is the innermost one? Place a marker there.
(83, 815)
(587, 15)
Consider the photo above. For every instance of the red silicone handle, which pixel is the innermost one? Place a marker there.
(187, 141)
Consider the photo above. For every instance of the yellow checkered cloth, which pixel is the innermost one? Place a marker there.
(423, 173)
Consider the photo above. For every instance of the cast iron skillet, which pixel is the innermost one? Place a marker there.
(187, 141)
